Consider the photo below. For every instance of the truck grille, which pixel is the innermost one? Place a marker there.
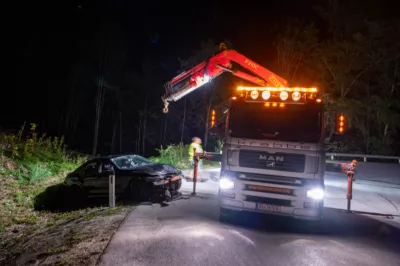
(272, 161)
(279, 180)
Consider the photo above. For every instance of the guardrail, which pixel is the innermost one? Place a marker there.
(364, 156)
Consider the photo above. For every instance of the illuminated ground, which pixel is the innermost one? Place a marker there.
(187, 232)
(369, 196)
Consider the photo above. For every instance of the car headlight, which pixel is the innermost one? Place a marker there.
(225, 183)
(315, 193)
(156, 180)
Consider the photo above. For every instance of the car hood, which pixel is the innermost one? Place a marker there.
(156, 169)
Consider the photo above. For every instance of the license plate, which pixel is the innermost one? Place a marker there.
(277, 190)
(268, 208)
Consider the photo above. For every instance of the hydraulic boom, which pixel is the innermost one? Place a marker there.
(199, 75)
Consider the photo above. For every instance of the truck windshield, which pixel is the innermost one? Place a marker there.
(297, 123)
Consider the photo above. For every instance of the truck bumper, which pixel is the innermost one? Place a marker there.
(247, 206)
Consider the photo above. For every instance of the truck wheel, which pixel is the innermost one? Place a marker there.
(224, 215)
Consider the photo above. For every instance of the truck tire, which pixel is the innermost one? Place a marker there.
(225, 215)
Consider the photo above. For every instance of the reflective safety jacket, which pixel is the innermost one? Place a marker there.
(191, 147)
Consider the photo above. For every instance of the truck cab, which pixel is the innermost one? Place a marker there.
(273, 157)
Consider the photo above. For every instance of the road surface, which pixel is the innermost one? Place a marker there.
(368, 196)
(187, 232)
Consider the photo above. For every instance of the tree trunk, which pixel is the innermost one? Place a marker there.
(144, 124)
(386, 138)
(75, 122)
(120, 132)
(99, 102)
(113, 137)
(165, 129)
(139, 133)
(99, 107)
(367, 137)
(208, 117)
(71, 117)
(183, 122)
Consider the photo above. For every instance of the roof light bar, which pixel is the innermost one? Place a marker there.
(266, 95)
(296, 96)
(254, 94)
(241, 88)
(284, 95)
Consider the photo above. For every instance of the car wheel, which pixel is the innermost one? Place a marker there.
(139, 191)
(178, 185)
(76, 197)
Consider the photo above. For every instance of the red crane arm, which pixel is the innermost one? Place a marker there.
(196, 77)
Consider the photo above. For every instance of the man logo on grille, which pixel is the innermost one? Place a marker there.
(270, 163)
(271, 160)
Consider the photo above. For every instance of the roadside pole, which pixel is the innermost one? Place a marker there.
(196, 158)
(350, 177)
(111, 188)
(196, 167)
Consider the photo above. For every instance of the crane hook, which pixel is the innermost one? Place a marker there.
(165, 109)
(222, 47)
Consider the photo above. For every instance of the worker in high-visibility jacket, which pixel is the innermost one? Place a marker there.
(196, 144)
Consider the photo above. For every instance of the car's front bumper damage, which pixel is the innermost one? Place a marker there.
(166, 189)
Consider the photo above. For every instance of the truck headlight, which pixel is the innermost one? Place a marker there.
(225, 183)
(315, 193)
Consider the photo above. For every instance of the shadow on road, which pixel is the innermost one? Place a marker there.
(335, 224)
(59, 198)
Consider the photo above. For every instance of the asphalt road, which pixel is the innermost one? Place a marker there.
(187, 232)
(368, 196)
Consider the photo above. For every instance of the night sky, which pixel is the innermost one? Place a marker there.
(46, 41)
(48, 36)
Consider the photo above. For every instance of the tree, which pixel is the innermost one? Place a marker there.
(358, 65)
(355, 66)
(110, 59)
(295, 46)
(200, 107)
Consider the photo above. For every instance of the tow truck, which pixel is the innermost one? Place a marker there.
(273, 157)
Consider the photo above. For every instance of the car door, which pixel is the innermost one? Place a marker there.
(103, 181)
(121, 177)
(92, 177)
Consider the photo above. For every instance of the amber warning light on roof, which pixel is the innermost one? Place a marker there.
(240, 88)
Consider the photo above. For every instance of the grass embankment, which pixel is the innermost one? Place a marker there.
(178, 155)
(33, 227)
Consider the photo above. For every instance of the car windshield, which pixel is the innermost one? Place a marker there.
(297, 123)
(130, 161)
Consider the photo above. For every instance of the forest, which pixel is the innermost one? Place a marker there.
(351, 55)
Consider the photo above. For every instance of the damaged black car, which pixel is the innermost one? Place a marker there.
(136, 178)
